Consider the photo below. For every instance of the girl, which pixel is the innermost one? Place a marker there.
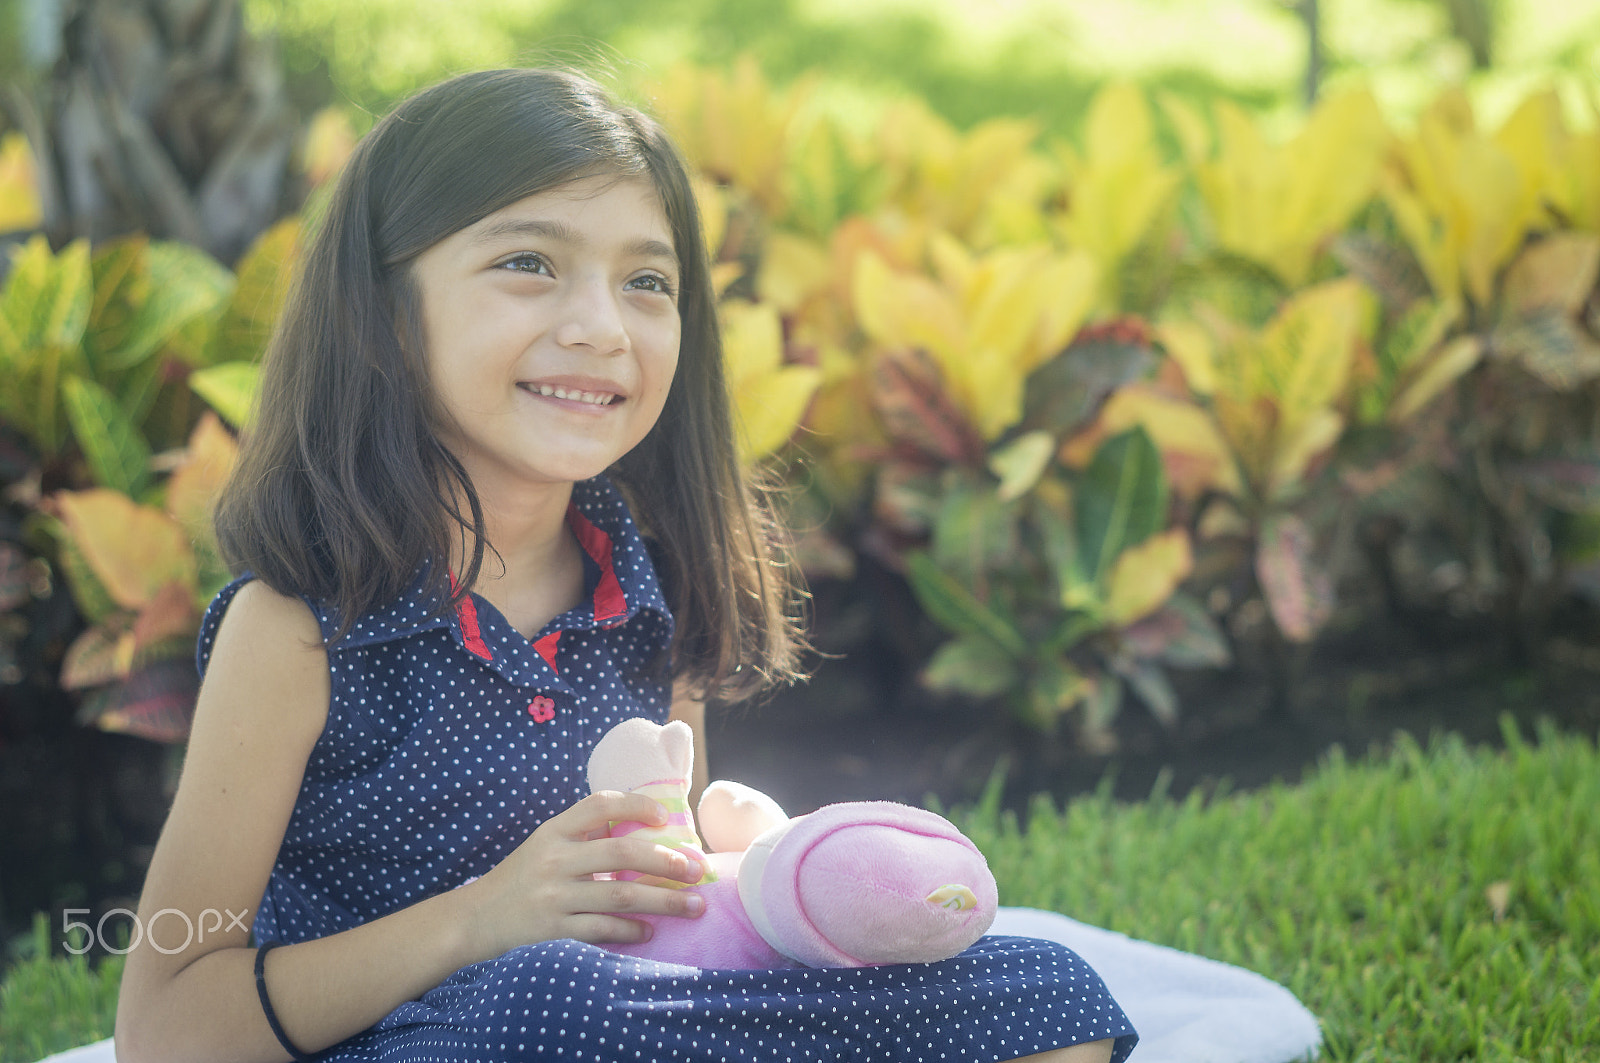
(503, 329)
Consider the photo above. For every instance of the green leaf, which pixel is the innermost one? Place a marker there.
(972, 666)
(47, 297)
(120, 286)
(230, 388)
(1102, 703)
(1077, 626)
(1150, 683)
(1121, 501)
(1020, 463)
(118, 456)
(246, 321)
(974, 531)
(1059, 544)
(957, 609)
(1054, 688)
(184, 283)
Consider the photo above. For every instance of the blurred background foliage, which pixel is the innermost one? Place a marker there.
(1093, 353)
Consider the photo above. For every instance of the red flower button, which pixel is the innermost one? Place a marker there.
(543, 710)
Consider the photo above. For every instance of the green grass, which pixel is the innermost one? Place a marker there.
(50, 1004)
(1438, 904)
(1428, 904)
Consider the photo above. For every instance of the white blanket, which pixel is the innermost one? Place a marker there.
(1187, 1009)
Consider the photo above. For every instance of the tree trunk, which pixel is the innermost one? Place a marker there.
(157, 116)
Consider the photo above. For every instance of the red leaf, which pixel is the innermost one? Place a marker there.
(908, 393)
(156, 703)
(170, 613)
(14, 581)
(1299, 594)
(1181, 633)
(100, 655)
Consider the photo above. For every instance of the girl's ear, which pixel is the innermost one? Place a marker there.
(733, 815)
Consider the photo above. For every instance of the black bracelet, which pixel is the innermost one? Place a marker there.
(266, 1004)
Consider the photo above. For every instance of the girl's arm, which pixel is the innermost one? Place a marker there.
(260, 711)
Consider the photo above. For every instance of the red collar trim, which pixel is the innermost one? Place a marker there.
(609, 601)
(467, 611)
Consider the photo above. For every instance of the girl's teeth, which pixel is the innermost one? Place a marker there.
(593, 398)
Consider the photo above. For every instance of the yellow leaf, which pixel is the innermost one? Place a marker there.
(1194, 455)
(330, 138)
(1461, 199)
(19, 188)
(770, 397)
(1187, 343)
(1491, 198)
(192, 491)
(1431, 243)
(793, 268)
(1310, 345)
(734, 126)
(1145, 576)
(752, 339)
(1333, 167)
(723, 274)
(770, 408)
(1277, 203)
(1559, 271)
(1188, 125)
(898, 310)
(1452, 361)
(1119, 187)
(1301, 444)
(134, 550)
(713, 203)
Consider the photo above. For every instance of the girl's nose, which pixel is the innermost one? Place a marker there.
(592, 317)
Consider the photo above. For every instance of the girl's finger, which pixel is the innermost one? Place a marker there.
(609, 855)
(599, 929)
(619, 897)
(598, 810)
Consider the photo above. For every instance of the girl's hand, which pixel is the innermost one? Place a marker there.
(546, 888)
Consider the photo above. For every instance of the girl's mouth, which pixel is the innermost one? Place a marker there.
(588, 398)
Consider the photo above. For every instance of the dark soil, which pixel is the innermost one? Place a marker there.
(847, 735)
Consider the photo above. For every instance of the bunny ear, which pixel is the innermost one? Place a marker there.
(627, 756)
(677, 745)
(733, 815)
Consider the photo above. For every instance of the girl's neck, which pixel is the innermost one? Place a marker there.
(539, 572)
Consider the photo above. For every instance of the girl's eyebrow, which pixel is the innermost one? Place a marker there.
(561, 232)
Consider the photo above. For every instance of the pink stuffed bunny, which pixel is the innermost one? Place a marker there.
(850, 885)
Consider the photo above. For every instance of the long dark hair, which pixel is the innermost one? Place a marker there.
(343, 491)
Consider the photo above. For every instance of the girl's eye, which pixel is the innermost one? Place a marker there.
(527, 262)
(652, 282)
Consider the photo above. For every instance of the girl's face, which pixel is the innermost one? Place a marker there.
(551, 331)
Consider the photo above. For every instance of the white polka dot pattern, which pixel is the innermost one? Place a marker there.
(436, 762)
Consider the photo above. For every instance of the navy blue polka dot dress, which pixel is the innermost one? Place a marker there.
(450, 737)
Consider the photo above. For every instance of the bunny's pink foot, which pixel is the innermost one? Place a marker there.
(866, 883)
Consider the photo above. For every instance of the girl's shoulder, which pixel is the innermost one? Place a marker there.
(257, 614)
(419, 607)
